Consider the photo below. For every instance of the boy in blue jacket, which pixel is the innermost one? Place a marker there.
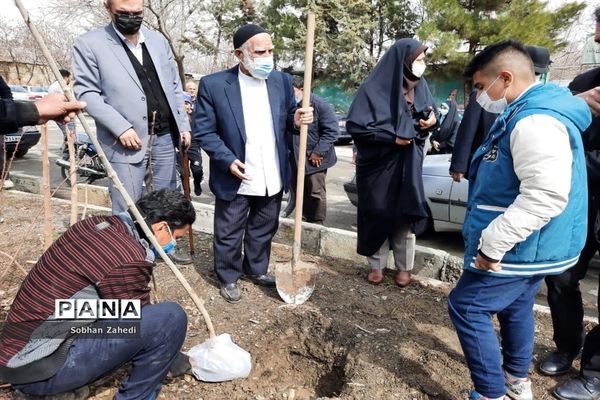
(526, 216)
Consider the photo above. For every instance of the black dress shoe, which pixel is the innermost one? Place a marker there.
(180, 258)
(261, 280)
(230, 292)
(556, 363)
(579, 388)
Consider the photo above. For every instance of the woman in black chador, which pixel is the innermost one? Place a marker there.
(389, 120)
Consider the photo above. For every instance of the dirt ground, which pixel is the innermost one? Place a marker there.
(351, 340)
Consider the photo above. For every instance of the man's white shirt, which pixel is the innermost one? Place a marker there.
(136, 49)
(262, 158)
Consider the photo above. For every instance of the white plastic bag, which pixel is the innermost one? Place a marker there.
(219, 359)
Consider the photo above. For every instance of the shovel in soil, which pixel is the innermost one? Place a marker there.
(295, 280)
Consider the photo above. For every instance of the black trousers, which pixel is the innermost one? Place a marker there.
(564, 295)
(253, 219)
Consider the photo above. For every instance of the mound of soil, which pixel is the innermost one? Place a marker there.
(351, 340)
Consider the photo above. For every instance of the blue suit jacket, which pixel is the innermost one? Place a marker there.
(220, 130)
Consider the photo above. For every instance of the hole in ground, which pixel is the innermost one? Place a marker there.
(310, 357)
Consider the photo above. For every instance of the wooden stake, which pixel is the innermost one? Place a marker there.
(112, 175)
(185, 182)
(46, 188)
(72, 174)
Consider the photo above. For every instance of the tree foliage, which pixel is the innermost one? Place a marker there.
(350, 37)
(460, 28)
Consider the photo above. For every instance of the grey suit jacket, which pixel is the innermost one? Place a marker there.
(106, 80)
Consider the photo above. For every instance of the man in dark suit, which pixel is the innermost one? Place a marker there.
(320, 155)
(240, 121)
(564, 295)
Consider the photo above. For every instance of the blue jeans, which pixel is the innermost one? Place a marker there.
(162, 331)
(472, 303)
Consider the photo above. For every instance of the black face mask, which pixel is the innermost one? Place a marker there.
(128, 24)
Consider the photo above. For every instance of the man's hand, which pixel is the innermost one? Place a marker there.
(592, 98)
(354, 157)
(485, 265)
(403, 142)
(457, 176)
(186, 140)
(429, 122)
(436, 145)
(303, 116)
(237, 169)
(315, 160)
(130, 140)
(55, 106)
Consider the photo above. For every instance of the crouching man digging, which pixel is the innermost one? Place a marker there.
(526, 216)
(102, 257)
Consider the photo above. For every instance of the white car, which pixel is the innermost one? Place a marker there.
(447, 200)
(20, 93)
(38, 90)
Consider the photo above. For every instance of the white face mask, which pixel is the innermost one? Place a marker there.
(260, 68)
(418, 68)
(492, 106)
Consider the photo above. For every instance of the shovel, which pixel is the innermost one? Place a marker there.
(295, 280)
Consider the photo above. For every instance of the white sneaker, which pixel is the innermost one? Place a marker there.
(8, 184)
(518, 388)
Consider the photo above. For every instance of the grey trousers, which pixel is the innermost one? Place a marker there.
(403, 247)
(134, 176)
(315, 197)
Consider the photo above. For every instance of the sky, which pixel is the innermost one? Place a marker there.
(9, 9)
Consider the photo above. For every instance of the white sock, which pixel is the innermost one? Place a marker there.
(511, 378)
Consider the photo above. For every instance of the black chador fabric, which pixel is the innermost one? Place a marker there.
(448, 126)
(389, 176)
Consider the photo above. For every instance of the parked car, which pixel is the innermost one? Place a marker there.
(447, 200)
(38, 90)
(20, 93)
(344, 137)
(20, 142)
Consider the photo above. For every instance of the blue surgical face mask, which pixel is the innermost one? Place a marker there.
(492, 106)
(169, 247)
(260, 68)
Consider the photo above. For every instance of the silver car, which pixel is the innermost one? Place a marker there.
(447, 200)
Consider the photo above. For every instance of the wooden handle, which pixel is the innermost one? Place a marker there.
(308, 64)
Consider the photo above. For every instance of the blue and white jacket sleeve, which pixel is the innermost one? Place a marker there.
(542, 160)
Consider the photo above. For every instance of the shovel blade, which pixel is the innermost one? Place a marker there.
(295, 285)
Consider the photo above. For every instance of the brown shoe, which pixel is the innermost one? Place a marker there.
(375, 276)
(402, 278)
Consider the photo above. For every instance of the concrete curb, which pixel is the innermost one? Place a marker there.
(317, 240)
